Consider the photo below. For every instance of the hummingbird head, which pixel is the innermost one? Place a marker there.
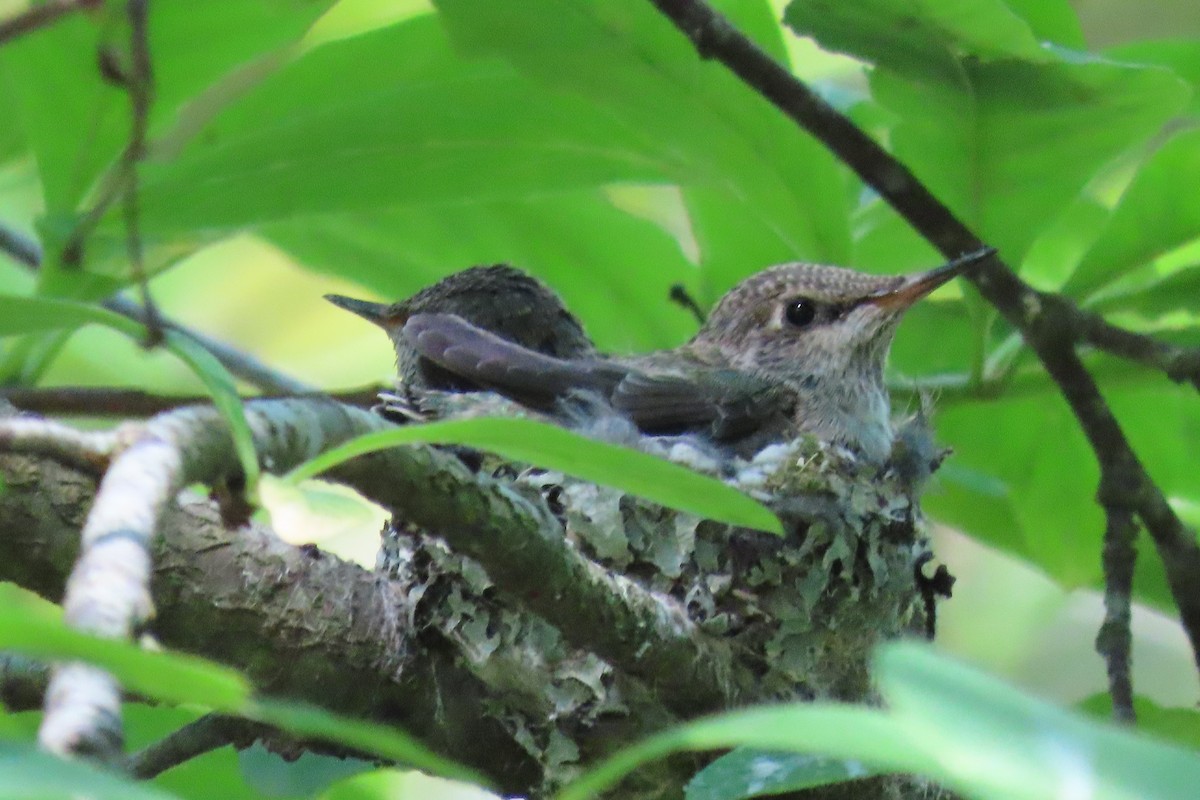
(810, 321)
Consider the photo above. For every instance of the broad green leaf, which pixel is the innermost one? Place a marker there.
(1182, 56)
(1051, 21)
(556, 448)
(1004, 130)
(27, 627)
(26, 773)
(223, 390)
(390, 117)
(994, 741)
(76, 122)
(1154, 215)
(753, 773)
(707, 130)
(1176, 292)
(923, 39)
(948, 722)
(613, 270)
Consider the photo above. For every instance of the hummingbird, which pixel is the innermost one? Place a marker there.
(497, 298)
(797, 348)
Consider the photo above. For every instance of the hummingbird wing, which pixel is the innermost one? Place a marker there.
(729, 403)
(491, 361)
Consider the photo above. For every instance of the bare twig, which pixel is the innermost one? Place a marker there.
(208, 733)
(93, 401)
(39, 16)
(26, 251)
(1180, 364)
(1044, 320)
(141, 94)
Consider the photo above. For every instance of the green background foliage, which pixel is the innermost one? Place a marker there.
(370, 147)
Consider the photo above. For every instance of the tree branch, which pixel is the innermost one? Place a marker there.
(1180, 364)
(210, 732)
(100, 401)
(299, 622)
(1044, 320)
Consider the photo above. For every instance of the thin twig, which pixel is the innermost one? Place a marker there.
(97, 401)
(40, 16)
(25, 251)
(1044, 320)
(141, 95)
(208, 733)
(1180, 364)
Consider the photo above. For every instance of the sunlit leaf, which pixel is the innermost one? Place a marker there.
(555, 448)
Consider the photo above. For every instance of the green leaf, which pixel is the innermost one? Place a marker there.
(751, 773)
(1004, 130)
(1152, 216)
(1182, 56)
(368, 737)
(555, 448)
(948, 722)
(994, 741)
(923, 39)
(349, 126)
(35, 314)
(1180, 725)
(31, 626)
(593, 254)
(26, 773)
(223, 390)
(698, 122)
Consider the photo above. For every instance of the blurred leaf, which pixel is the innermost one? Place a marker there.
(171, 677)
(395, 784)
(368, 737)
(1175, 292)
(754, 773)
(552, 447)
(1181, 725)
(699, 122)
(1004, 130)
(1152, 216)
(26, 773)
(922, 39)
(1033, 749)
(948, 722)
(76, 122)
(386, 118)
(613, 270)
(1182, 56)
(30, 314)
(1051, 21)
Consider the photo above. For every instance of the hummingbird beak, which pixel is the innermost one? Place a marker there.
(376, 313)
(913, 287)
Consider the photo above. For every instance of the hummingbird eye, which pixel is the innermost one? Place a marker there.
(800, 312)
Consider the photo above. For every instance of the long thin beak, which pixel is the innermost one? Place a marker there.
(914, 287)
(377, 313)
